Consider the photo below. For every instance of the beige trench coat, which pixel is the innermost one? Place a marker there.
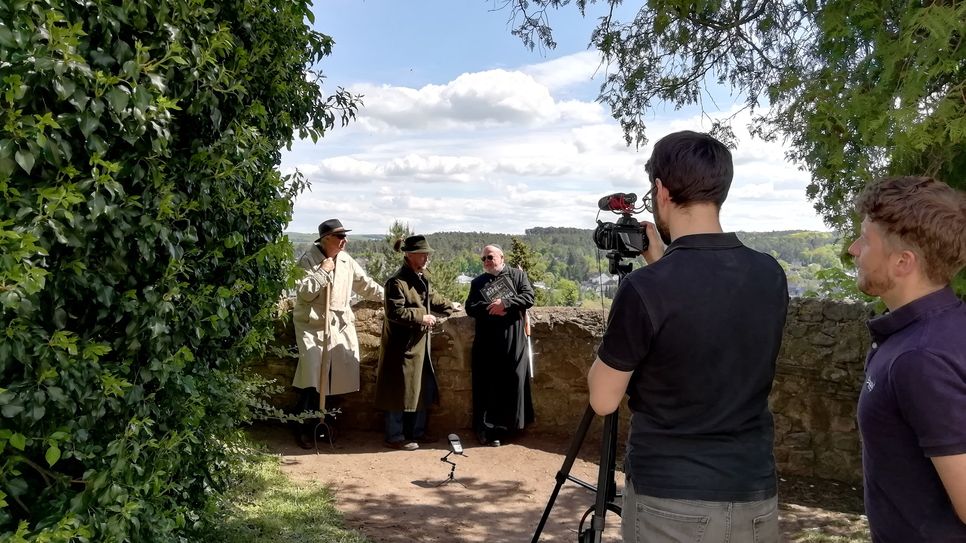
(333, 343)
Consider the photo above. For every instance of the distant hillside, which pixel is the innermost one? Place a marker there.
(570, 253)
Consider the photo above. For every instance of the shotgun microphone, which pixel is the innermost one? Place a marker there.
(619, 201)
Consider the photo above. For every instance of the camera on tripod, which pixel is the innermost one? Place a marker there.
(625, 238)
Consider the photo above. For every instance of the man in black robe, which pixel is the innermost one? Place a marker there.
(498, 300)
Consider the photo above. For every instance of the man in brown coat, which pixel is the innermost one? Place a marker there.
(406, 382)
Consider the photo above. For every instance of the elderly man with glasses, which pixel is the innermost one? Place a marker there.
(324, 324)
(498, 300)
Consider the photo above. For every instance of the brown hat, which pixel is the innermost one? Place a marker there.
(416, 244)
(331, 226)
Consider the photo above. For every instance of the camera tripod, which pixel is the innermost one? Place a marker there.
(606, 488)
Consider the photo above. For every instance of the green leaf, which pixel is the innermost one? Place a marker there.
(64, 88)
(52, 455)
(18, 441)
(117, 99)
(11, 410)
(88, 124)
(6, 38)
(25, 159)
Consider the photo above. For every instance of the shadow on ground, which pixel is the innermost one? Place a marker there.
(499, 494)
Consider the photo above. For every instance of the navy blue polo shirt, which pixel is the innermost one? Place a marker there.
(913, 407)
(701, 329)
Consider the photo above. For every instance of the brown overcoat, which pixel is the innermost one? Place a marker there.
(404, 353)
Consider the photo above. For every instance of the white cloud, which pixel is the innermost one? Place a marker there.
(503, 151)
(578, 68)
(471, 101)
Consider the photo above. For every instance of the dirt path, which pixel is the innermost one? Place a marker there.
(499, 494)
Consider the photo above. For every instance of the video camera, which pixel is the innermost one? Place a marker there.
(625, 238)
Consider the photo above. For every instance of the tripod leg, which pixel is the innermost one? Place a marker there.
(606, 485)
(565, 468)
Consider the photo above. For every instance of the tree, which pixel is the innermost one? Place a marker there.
(521, 256)
(860, 88)
(443, 274)
(141, 250)
(383, 261)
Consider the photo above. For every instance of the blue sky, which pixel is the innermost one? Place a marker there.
(465, 129)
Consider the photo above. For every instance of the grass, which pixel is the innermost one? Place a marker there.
(267, 507)
(848, 530)
(804, 537)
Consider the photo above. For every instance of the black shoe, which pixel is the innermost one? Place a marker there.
(300, 439)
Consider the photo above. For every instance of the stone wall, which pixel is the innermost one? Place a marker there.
(819, 373)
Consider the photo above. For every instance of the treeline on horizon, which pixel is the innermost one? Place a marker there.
(567, 263)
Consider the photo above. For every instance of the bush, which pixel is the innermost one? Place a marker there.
(140, 249)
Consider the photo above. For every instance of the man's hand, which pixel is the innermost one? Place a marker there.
(496, 307)
(328, 264)
(655, 246)
(429, 321)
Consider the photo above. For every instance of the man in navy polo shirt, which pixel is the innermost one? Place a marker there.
(912, 408)
(693, 338)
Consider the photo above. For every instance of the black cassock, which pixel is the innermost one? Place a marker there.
(501, 384)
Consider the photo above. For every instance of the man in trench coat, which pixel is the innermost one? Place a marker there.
(406, 382)
(324, 324)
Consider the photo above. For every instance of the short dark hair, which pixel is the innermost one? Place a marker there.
(694, 167)
(923, 215)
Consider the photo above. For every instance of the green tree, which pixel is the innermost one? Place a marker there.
(382, 260)
(860, 88)
(521, 256)
(141, 250)
(443, 274)
(569, 292)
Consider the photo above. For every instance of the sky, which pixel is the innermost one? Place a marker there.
(463, 128)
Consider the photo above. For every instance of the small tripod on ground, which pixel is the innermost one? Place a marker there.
(452, 470)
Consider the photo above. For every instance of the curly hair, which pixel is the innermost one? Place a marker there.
(923, 215)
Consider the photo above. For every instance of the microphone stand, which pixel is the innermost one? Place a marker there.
(452, 470)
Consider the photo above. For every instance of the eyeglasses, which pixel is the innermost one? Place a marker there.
(487, 257)
(648, 200)
(340, 236)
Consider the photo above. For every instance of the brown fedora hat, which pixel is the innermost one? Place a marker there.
(331, 226)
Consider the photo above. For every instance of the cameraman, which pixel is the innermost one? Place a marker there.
(692, 338)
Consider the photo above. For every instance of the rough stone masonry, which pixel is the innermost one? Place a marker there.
(820, 370)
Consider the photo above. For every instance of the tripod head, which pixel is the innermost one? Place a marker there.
(615, 266)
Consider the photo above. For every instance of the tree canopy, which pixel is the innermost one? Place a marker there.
(860, 88)
(141, 250)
